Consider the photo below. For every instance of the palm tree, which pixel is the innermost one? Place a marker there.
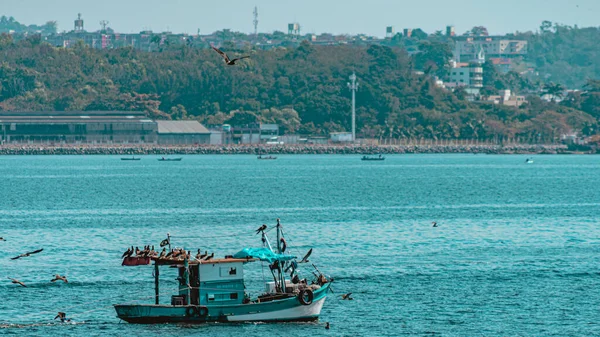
(556, 91)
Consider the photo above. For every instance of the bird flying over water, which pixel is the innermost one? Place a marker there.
(15, 281)
(305, 258)
(59, 278)
(347, 297)
(62, 316)
(261, 228)
(434, 224)
(27, 254)
(229, 62)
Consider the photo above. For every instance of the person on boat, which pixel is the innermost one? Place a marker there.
(163, 158)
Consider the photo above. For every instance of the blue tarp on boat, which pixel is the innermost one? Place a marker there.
(263, 254)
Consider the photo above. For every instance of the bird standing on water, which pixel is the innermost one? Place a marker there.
(2, 239)
(228, 61)
(59, 278)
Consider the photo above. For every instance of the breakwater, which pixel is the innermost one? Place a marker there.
(152, 149)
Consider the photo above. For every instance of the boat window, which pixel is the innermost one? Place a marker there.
(233, 296)
(228, 271)
(211, 297)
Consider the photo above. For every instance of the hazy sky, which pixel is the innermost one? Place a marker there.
(315, 16)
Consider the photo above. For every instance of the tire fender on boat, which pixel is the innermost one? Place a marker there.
(309, 297)
(191, 311)
(202, 311)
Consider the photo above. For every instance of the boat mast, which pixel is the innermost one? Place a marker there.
(280, 264)
(156, 273)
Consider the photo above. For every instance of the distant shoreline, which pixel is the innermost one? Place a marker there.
(152, 149)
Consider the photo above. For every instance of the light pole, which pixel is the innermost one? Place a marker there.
(353, 87)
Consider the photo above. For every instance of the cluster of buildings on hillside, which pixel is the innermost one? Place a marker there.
(130, 127)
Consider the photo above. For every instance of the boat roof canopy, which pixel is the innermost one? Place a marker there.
(263, 254)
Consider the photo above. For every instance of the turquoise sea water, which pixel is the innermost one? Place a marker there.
(516, 250)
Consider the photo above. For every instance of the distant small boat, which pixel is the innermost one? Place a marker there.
(170, 159)
(528, 161)
(266, 157)
(132, 158)
(369, 158)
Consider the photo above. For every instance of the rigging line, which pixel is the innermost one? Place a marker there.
(215, 236)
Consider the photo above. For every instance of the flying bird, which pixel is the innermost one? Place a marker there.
(27, 254)
(15, 281)
(434, 224)
(305, 258)
(261, 228)
(59, 278)
(62, 316)
(347, 297)
(229, 62)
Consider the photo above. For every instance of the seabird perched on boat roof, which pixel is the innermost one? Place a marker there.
(261, 228)
(209, 256)
(15, 281)
(127, 253)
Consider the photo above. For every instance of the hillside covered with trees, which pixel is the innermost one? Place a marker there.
(304, 89)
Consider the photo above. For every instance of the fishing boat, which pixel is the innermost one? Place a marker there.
(260, 156)
(132, 158)
(371, 158)
(214, 289)
(528, 161)
(170, 159)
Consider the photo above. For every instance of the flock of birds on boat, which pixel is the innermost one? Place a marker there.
(173, 254)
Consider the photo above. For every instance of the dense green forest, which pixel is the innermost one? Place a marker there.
(303, 88)
(564, 54)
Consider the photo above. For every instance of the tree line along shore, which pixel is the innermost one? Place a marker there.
(286, 149)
